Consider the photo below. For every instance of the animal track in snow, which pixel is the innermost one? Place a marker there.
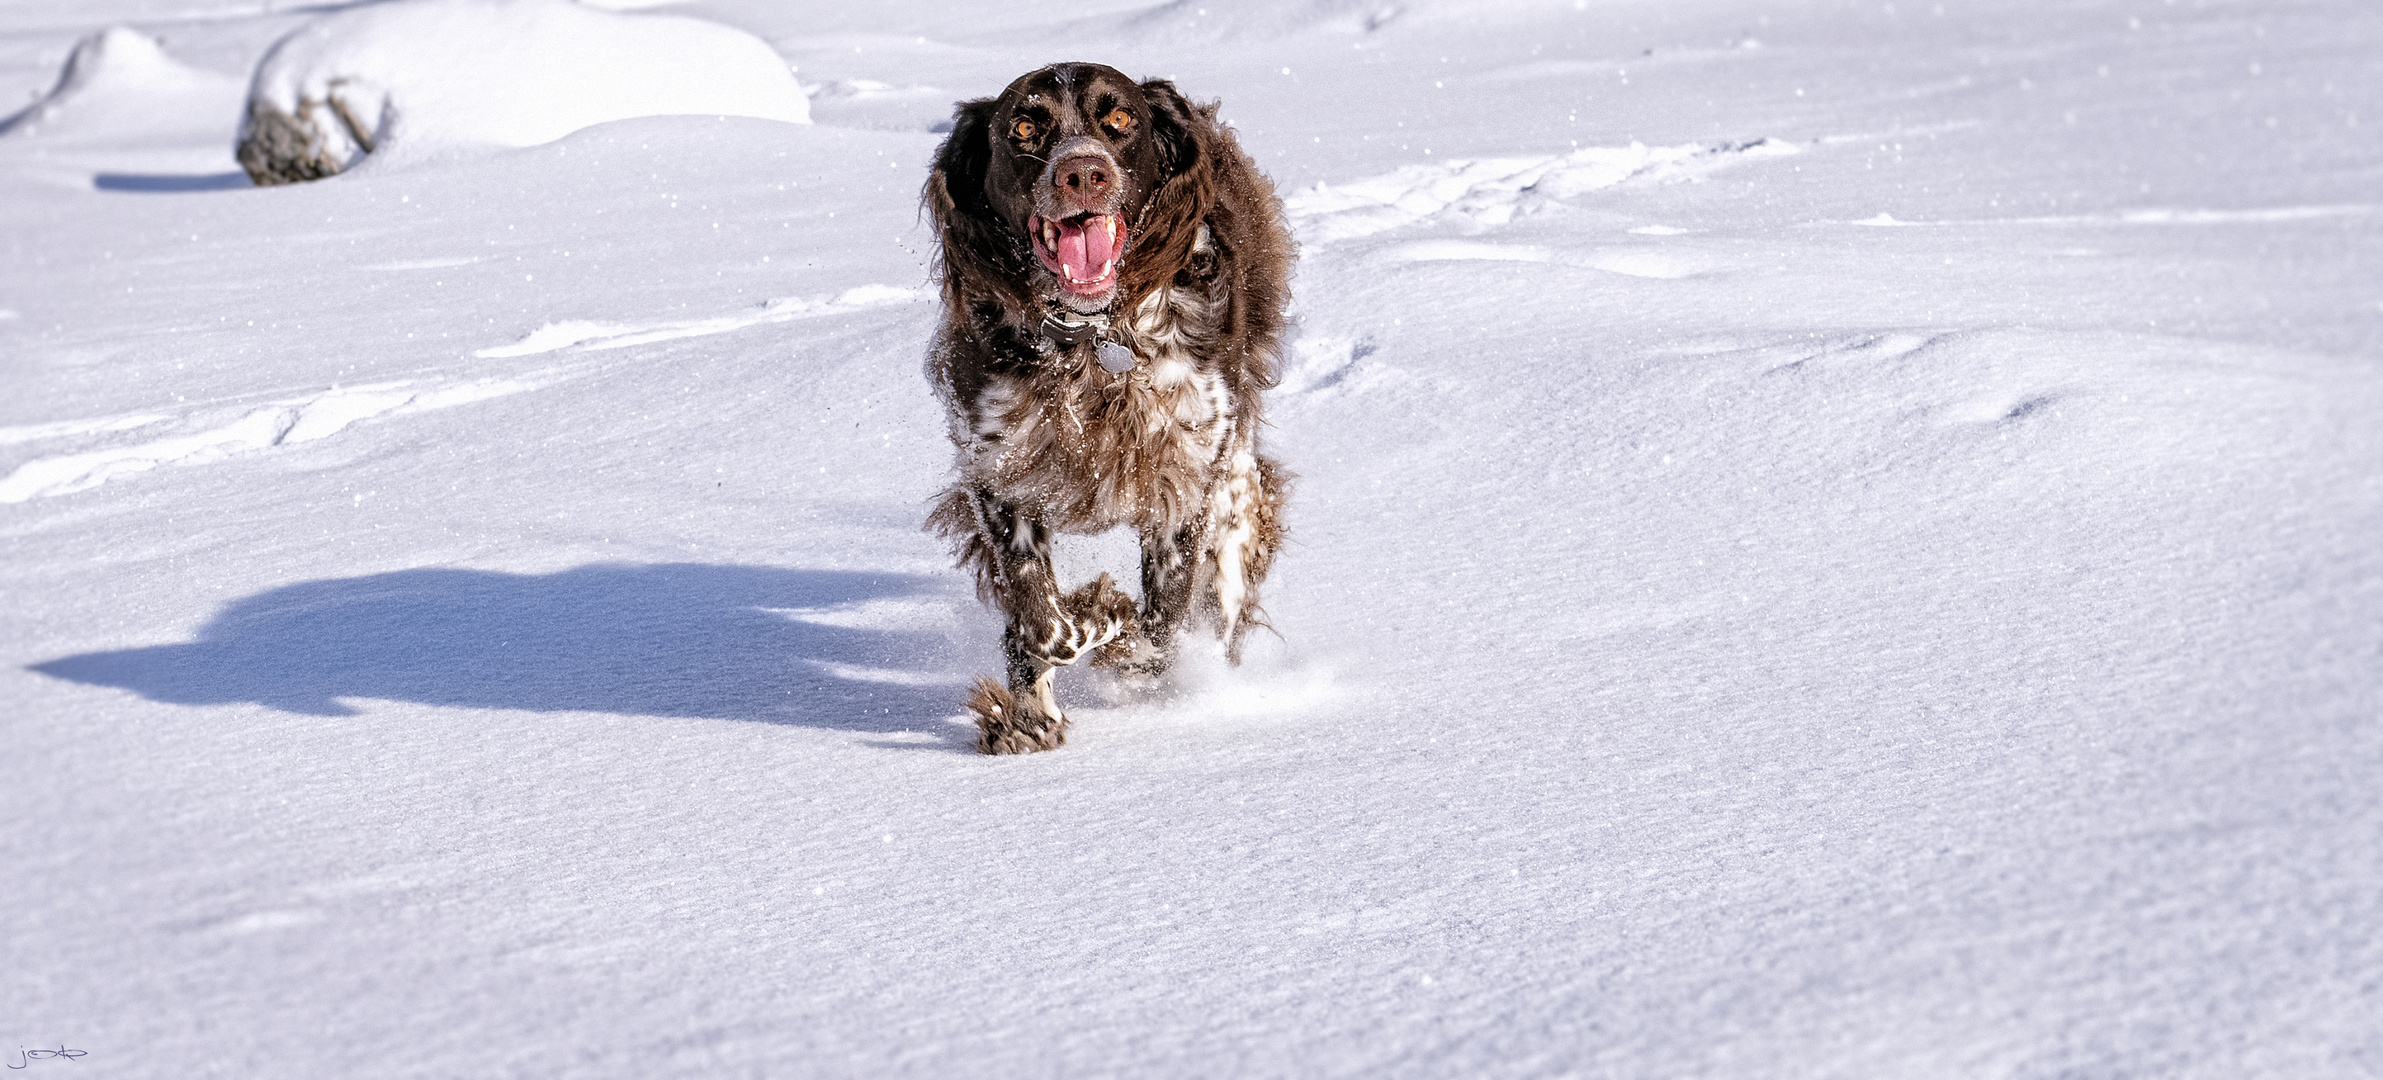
(1998, 408)
(1866, 349)
(838, 89)
(1966, 389)
(588, 335)
(258, 922)
(10, 436)
(1491, 191)
(2147, 216)
(424, 264)
(293, 420)
(1635, 262)
(1321, 364)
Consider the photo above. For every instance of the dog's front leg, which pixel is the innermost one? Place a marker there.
(1042, 632)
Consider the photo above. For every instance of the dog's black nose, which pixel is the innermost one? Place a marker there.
(1085, 176)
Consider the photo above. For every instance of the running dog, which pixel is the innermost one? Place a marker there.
(1114, 273)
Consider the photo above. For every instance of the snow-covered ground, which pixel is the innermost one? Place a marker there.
(417, 78)
(1834, 540)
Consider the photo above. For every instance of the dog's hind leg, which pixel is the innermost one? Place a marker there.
(1042, 632)
(1170, 562)
(1245, 534)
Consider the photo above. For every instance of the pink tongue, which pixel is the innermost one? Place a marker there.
(1083, 250)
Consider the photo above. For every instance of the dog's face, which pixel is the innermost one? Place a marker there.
(1073, 158)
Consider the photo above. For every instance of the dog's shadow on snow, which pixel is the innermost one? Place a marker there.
(854, 651)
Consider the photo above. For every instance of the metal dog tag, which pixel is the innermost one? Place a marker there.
(1116, 359)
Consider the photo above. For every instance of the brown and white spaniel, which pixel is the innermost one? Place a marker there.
(1114, 274)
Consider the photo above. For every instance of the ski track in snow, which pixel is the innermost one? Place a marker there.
(582, 335)
(279, 423)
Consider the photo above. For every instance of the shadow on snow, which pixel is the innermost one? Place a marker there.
(155, 182)
(679, 640)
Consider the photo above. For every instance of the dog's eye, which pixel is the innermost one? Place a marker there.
(1023, 130)
(1119, 120)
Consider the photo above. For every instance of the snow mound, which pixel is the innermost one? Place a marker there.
(120, 83)
(431, 74)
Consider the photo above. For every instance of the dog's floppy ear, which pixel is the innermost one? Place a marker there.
(1174, 125)
(1184, 193)
(978, 254)
(1210, 181)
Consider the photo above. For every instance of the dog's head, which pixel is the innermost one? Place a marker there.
(1048, 190)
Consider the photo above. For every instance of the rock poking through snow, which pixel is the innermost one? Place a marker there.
(427, 74)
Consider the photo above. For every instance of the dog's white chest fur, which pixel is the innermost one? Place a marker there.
(1094, 449)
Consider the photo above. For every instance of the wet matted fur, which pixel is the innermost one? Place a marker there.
(1114, 273)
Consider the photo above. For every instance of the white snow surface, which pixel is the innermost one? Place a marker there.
(119, 97)
(469, 617)
(127, 85)
(428, 75)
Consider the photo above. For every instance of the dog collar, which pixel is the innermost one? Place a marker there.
(1070, 328)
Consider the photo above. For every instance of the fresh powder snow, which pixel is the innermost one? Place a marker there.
(1832, 540)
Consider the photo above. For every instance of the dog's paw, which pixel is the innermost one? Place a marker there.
(1087, 619)
(1129, 654)
(1104, 607)
(1007, 725)
(1137, 666)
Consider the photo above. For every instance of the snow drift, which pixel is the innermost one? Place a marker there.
(120, 82)
(434, 73)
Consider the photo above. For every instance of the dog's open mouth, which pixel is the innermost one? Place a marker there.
(1081, 251)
